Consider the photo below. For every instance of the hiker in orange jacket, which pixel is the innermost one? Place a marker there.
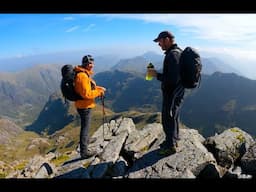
(87, 88)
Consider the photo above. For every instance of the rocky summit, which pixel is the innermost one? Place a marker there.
(124, 152)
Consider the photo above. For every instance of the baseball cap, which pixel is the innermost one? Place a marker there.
(164, 34)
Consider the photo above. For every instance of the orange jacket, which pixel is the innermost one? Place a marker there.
(86, 87)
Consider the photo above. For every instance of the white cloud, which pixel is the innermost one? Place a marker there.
(89, 27)
(234, 34)
(69, 18)
(19, 56)
(221, 27)
(72, 29)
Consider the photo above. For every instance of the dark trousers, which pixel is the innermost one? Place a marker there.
(85, 116)
(172, 102)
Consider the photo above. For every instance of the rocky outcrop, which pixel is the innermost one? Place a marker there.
(229, 146)
(125, 152)
(189, 161)
(37, 167)
(248, 161)
(8, 130)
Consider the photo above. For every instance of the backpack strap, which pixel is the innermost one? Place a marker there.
(179, 50)
(91, 81)
(82, 72)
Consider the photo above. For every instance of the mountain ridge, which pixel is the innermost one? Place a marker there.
(24, 95)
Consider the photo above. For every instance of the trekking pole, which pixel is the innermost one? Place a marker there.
(103, 113)
(104, 119)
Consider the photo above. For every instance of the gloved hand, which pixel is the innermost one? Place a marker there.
(101, 90)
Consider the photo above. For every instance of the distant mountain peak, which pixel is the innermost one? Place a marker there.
(152, 56)
(149, 53)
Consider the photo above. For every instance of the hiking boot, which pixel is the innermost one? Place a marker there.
(88, 154)
(167, 151)
(164, 145)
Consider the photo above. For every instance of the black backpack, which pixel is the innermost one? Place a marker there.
(67, 83)
(190, 68)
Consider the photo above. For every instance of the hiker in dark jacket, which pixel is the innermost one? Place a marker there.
(172, 91)
(87, 88)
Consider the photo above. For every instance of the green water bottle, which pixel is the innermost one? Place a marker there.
(148, 77)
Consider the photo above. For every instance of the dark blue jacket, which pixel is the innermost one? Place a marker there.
(170, 77)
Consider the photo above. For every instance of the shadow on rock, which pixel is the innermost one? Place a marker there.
(146, 160)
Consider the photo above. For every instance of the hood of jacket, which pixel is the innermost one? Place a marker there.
(79, 68)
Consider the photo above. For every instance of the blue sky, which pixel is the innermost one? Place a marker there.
(31, 34)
